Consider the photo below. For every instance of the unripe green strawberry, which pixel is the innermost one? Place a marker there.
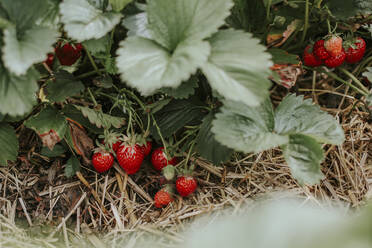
(169, 172)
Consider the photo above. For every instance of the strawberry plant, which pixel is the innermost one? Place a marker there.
(197, 77)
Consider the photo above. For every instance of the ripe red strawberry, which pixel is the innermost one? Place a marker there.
(320, 51)
(50, 59)
(102, 161)
(333, 45)
(130, 158)
(116, 145)
(68, 54)
(159, 160)
(186, 185)
(162, 198)
(355, 52)
(310, 59)
(147, 148)
(335, 61)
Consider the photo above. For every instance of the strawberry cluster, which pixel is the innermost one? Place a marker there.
(333, 52)
(130, 157)
(185, 183)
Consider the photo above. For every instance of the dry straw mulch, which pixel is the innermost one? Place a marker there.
(34, 188)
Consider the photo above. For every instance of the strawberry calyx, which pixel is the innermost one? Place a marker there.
(111, 140)
(187, 172)
(101, 148)
(145, 142)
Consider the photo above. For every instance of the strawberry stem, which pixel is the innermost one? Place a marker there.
(364, 64)
(129, 122)
(87, 74)
(92, 61)
(268, 8)
(161, 136)
(189, 154)
(185, 137)
(319, 3)
(334, 76)
(313, 84)
(147, 132)
(306, 25)
(134, 97)
(352, 77)
(329, 26)
(92, 96)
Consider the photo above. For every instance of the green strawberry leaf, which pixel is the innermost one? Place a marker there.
(238, 68)
(283, 57)
(247, 129)
(303, 154)
(98, 46)
(297, 116)
(100, 119)
(137, 25)
(104, 81)
(271, 2)
(118, 5)
(50, 125)
(145, 65)
(8, 144)
(348, 8)
(172, 22)
(158, 105)
(248, 15)
(72, 166)
(25, 14)
(184, 90)
(65, 85)
(57, 151)
(83, 21)
(21, 51)
(74, 114)
(110, 66)
(207, 146)
(4, 23)
(51, 17)
(176, 115)
(17, 94)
